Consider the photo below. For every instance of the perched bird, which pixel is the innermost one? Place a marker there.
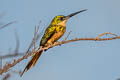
(53, 32)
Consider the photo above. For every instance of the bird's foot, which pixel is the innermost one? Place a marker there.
(57, 42)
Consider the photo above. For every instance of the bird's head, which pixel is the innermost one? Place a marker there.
(61, 20)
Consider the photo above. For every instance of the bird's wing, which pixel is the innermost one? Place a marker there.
(47, 35)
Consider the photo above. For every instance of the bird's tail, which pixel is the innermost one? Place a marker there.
(32, 62)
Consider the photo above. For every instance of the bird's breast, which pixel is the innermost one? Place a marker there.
(60, 30)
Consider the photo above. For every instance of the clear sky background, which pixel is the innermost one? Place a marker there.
(83, 60)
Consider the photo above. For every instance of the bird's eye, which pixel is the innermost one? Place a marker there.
(61, 18)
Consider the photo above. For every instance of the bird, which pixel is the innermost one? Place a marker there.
(53, 32)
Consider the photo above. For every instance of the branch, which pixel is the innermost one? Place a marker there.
(6, 77)
(15, 53)
(7, 24)
(35, 39)
(67, 36)
(12, 55)
(7, 66)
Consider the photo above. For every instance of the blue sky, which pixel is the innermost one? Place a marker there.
(84, 60)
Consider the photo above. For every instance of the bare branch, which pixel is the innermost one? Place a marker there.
(15, 53)
(6, 77)
(68, 35)
(7, 66)
(106, 33)
(0, 62)
(17, 43)
(16, 72)
(7, 24)
(12, 55)
(36, 37)
(78, 39)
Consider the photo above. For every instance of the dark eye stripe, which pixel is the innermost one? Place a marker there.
(61, 18)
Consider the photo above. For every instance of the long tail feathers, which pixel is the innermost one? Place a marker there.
(32, 62)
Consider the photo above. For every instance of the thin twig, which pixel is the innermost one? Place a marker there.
(16, 51)
(11, 55)
(0, 62)
(6, 77)
(17, 43)
(16, 72)
(34, 39)
(68, 35)
(37, 37)
(7, 24)
(106, 33)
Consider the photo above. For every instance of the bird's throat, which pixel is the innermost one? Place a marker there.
(63, 23)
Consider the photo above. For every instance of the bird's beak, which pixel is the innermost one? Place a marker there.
(70, 15)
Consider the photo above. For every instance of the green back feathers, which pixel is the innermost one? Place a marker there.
(47, 35)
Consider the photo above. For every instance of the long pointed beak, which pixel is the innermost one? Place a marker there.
(70, 15)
